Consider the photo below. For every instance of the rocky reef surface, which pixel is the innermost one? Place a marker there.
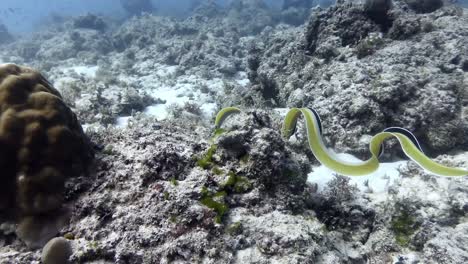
(165, 188)
(364, 75)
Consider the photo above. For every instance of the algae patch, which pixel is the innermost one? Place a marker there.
(206, 161)
(217, 171)
(404, 226)
(216, 202)
(174, 181)
(236, 183)
(234, 228)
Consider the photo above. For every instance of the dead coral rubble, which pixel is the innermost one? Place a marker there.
(172, 191)
(153, 196)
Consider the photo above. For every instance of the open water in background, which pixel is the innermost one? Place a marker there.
(23, 16)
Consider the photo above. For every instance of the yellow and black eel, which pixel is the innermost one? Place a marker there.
(408, 143)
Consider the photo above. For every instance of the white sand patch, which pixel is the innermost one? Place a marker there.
(159, 111)
(281, 111)
(85, 127)
(166, 71)
(62, 82)
(160, 81)
(378, 181)
(410, 257)
(172, 95)
(208, 109)
(122, 121)
(242, 79)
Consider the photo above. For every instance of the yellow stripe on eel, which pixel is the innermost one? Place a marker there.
(225, 113)
(327, 158)
(320, 151)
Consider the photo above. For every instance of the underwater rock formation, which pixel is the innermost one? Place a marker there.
(93, 102)
(378, 11)
(425, 6)
(198, 194)
(89, 21)
(209, 9)
(42, 145)
(337, 26)
(170, 189)
(72, 43)
(193, 45)
(330, 66)
(52, 45)
(57, 251)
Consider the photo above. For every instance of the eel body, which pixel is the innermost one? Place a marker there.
(407, 140)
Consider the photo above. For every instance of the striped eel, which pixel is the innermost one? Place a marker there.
(223, 114)
(407, 140)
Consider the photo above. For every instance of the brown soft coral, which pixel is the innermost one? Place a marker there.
(41, 145)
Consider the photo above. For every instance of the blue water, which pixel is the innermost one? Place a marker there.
(22, 16)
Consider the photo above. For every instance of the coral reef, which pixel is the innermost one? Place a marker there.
(57, 251)
(190, 200)
(93, 102)
(330, 69)
(42, 145)
(166, 187)
(378, 11)
(90, 21)
(425, 6)
(337, 26)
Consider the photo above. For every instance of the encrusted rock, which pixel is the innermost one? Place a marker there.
(323, 59)
(89, 21)
(348, 23)
(57, 251)
(425, 6)
(177, 191)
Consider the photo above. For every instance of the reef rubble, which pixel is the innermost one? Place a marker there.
(165, 187)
